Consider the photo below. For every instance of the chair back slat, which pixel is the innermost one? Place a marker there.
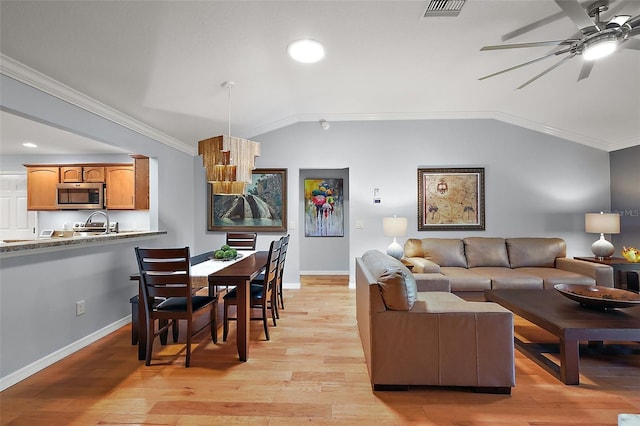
(283, 256)
(164, 272)
(271, 272)
(242, 240)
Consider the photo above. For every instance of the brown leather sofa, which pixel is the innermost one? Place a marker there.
(475, 264)
(413, 337)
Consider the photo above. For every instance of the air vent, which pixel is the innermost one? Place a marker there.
(443, 8)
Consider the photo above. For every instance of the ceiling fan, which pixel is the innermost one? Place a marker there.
(596, 38)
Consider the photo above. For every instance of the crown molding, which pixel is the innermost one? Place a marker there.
(24, 74)
(451, 115)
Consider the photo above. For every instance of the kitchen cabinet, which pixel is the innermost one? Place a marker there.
(93, 174)
(141, 165)
(81, 174)
(120, 187)
(127, 184)
(41, 187)
(70, 174)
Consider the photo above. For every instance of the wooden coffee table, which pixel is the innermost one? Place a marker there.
(570, 322)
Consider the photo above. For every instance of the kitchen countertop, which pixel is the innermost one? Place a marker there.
(23, 247)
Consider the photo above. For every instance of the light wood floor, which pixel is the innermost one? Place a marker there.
(311, 372)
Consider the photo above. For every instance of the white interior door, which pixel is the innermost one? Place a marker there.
(16, 223)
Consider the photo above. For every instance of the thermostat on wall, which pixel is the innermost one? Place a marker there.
(46, 233)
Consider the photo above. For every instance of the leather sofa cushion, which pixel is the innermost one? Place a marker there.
(463, 279)
(483, 251)
(443, 251)
(553, 276)
(397, 284)
(536, 252)
(502, 278)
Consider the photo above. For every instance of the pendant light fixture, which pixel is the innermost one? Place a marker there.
(228, 160)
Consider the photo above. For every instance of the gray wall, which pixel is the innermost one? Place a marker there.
(625, 196)
(323, 255)
(536, 184)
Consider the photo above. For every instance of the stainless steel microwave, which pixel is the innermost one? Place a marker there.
(76, 196)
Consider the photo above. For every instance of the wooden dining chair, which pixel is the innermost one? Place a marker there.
(260, 294)
(164, 273)
(277, 297)
(281, 260)
(242, 240)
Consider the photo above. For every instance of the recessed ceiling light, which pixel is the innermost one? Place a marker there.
(306, 51)
(30, 145)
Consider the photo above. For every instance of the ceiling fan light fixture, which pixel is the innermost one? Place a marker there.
(306, 51)
(600, 47)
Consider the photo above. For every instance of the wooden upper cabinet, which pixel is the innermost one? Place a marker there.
(93, 174)
(120, 187)
(41, 187)
(141, 165)
(81, 174)
(70, 174)
(127, 185)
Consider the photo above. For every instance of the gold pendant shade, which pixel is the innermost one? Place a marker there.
(228, 161)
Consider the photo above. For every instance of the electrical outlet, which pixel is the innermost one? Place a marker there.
(80, 308)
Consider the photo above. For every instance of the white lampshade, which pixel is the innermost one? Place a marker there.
(394, 227)
(602, 223)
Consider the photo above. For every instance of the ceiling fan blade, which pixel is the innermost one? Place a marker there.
(532, 26)
(631, 44)
(524, 64)
(532, 44)
(578, 15)
(587, 66)
(551, 68)
(634, 25)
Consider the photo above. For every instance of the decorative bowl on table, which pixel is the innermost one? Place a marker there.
(594, 296)
(632, 254)
(226, 254)
(227, 259)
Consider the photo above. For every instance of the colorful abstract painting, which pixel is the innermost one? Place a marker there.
(324, 208)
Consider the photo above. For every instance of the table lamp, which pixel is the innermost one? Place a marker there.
(602, 223)
(394, 227)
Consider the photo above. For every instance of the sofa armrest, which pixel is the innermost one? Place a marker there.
(432, 282)
(603, 274)
(422, 265)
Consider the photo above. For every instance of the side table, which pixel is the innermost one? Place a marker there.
(621, 266)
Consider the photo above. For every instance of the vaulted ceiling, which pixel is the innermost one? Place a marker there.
(163, 62)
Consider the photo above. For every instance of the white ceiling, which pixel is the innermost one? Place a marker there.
(163, 63)
(16, 130)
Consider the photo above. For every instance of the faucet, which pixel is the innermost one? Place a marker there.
(101, 213)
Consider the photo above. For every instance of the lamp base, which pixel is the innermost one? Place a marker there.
(395, 250)
(602, 248)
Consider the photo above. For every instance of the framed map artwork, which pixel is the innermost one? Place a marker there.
(450, 199)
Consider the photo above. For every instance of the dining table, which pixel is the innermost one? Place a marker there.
(214, 273)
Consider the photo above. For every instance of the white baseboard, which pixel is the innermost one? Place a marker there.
(292, 286)
(31, 369)
(324, 272)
